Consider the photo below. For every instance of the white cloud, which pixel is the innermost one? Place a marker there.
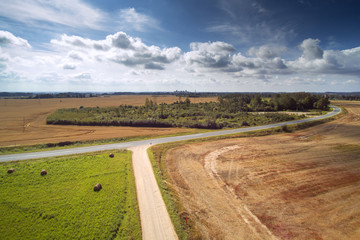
(209, 55)
(314, 60)
(311, 49)
(266, 52)
(221, 57)
(84, 75)
(131, 19)
(120, 48)
(77, 56)
(7, 38)
(73, 13)
(121, 62)
(69, 66)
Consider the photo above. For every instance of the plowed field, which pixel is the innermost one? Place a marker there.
(23, 121)
(302, 185)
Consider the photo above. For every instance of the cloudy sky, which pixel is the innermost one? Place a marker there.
(168, 45)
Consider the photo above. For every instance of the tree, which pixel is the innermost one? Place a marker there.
(187, 102)
(322, 104)
(256, 103)
(287, 102)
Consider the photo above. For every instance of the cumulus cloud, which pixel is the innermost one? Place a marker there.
(7, 38)
(72, 41)
(120, 40)
(315, 60)
(122, 49)
(311, 49)
(154, 66)
(220, 56)
(121, 58)
(209, 55)
(73, 13)
(75, 56)
(265, 61)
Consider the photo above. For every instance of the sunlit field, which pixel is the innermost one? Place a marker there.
(63, 203)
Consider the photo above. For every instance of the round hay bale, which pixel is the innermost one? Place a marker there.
(43, 172)
(11, 170)
(111, 155)
(97, 187)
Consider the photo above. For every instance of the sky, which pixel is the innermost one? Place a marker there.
(169, 45)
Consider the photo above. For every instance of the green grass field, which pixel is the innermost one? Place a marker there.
(63, 204)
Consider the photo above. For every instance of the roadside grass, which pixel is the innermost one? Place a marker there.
(63, 204)
(74, 144)
(185, 228)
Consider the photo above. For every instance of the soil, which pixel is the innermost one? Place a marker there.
(23, 121)
(302, 185)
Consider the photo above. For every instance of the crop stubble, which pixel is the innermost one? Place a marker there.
(23, 121)
(303, 185)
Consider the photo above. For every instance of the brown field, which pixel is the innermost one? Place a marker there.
(23, 121)
(302, 185)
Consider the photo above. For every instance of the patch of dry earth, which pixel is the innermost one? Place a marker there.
(303, 185)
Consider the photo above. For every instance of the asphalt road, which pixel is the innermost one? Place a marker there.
(125, 145)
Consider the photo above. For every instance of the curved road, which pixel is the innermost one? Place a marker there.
(155, 220)
(125, 145)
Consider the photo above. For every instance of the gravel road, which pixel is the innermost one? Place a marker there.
(155, 219)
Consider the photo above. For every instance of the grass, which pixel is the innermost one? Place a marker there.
(63, 205)
(348, 148)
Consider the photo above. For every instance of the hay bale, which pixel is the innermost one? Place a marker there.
(43, 172)
(97, 187)
(111, 155)
(11, 170)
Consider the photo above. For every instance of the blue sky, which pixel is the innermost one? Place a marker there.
(163, 45)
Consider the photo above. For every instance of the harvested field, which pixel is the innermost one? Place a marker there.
(23, 121)
(302, 185)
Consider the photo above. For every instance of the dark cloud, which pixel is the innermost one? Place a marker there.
(154, 66)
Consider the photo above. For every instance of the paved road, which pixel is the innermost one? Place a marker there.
(62, 152)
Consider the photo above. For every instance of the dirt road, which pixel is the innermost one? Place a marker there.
(155, 220)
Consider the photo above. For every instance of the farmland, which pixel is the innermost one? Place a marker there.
(302, 185)
(63, 204)
(23, 121)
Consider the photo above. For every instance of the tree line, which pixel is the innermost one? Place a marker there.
(230, 111)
